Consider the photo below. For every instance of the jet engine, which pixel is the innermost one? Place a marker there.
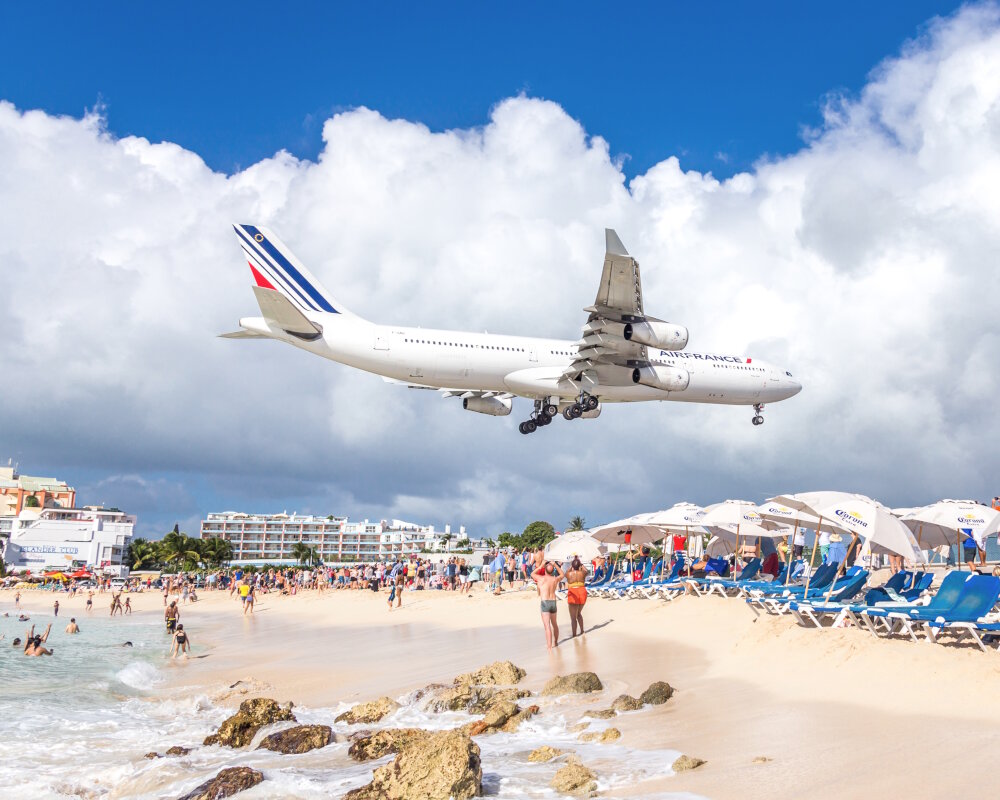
(670, 379)
(494, 406)
(653, 333)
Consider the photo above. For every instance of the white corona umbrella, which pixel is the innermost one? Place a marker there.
(940, 523)
(627, 531)
(733, 515)
(874, 523)
(678, 517)
(574, 543)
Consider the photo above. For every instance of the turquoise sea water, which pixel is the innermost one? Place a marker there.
(77, 724)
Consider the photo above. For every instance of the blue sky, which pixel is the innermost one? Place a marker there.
(718, 84)
(123, 389)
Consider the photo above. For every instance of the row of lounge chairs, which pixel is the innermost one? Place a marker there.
(961, 607)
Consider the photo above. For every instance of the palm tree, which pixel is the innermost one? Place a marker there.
(490, 543)
(446, 540)
(215, 551)
(180, 550)
(576, 523)
(304, 554)
(142, 554)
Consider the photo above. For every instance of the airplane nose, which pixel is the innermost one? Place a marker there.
(795, 387)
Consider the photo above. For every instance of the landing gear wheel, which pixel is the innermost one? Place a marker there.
(550, 410)
(592, 403)
(543, 419)
(576, 411)
(522, 428)
(530, 426)
(568, 413)
(758, 420)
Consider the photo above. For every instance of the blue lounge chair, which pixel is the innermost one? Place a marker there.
(888, 613)
(977, 597)
(838, 606)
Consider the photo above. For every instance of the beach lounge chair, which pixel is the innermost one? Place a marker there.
(776, 601)
(977, 598)
(723, 586)
(816, 610)
(888, 614)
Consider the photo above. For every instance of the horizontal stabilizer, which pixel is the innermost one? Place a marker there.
(278, 309)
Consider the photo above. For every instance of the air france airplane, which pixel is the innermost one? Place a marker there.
(623, 356)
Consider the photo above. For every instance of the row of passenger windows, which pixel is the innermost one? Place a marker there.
(738, 366)
(463, 344)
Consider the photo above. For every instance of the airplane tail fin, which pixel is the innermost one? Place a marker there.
(275, 268)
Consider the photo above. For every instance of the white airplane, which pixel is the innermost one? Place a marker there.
(623, 356)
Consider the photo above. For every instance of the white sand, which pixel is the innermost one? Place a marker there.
(840, 714)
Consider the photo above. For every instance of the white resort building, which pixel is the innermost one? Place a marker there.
(269, 538)
(54, 538)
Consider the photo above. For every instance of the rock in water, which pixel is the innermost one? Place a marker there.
(474, 699)
(433, 767)
(605, 713)
(685, 763)
(515, 721)
(578, 683)
(657, 694)
(625, 702)
(499, 673)
(254, 714)
(499, 713)
(544, 753)
(574, 778)
(300, 739)
(605, 736)
(381, 743)
(369, 712)
(177, 750)
(226, 783)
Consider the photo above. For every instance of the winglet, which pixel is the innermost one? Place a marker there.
(614, 245)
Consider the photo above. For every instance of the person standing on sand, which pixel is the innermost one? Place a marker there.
(576, 595)
(90, 602)
(55, 609)
(248, 601)
(547, 579)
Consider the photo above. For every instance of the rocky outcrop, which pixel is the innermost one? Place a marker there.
(176, 750)
(254, 714)
(657, 694)
(470, 698)
(625, 702)
(499, 673)
(603, 737)
(575, 779)
(515, 721)
(367, 713)
(603, 713)
(226, 784)
(300, 739)
(370, 746)
(431, 767)
(544, 753)
(577, 683)
(685, 763)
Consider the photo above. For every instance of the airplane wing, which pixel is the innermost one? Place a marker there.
(445, 392)
(619, 301)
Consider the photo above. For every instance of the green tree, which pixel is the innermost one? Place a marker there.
(142, 554)
(31, 502)
(180, 550)
(463, 544)
(446, 540)
(304, 554)
(215, 551)
(508, 539)
(537, 534)
(490, 543)
(576, 523)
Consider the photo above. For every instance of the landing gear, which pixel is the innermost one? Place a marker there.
(758, 419)
(528, 426)
(540, 417)
(584, 403)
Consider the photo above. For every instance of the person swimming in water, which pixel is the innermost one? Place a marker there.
(34, 643)
(181, 643)
(72, 627)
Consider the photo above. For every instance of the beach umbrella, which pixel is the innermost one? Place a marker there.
(733, 514)
(627, 531)
(941, 523)
(773, 512)
(574, 543)
(874, 523)
(681, 517)
(810, 503)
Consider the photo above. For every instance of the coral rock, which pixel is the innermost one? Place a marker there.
(226, 783)
(577, 683)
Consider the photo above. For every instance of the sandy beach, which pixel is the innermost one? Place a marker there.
(834, 712)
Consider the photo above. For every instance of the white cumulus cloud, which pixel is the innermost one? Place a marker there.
(865, 263)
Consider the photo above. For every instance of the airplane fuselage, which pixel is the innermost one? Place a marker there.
(528, 366)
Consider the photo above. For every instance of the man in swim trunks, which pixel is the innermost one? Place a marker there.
(547, 579)
(72, 627)
(170, 615)
(576, 595)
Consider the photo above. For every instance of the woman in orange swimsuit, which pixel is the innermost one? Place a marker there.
(576, 595)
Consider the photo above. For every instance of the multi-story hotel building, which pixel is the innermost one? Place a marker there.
(269, 538)
(40, 539)
(15, 489)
